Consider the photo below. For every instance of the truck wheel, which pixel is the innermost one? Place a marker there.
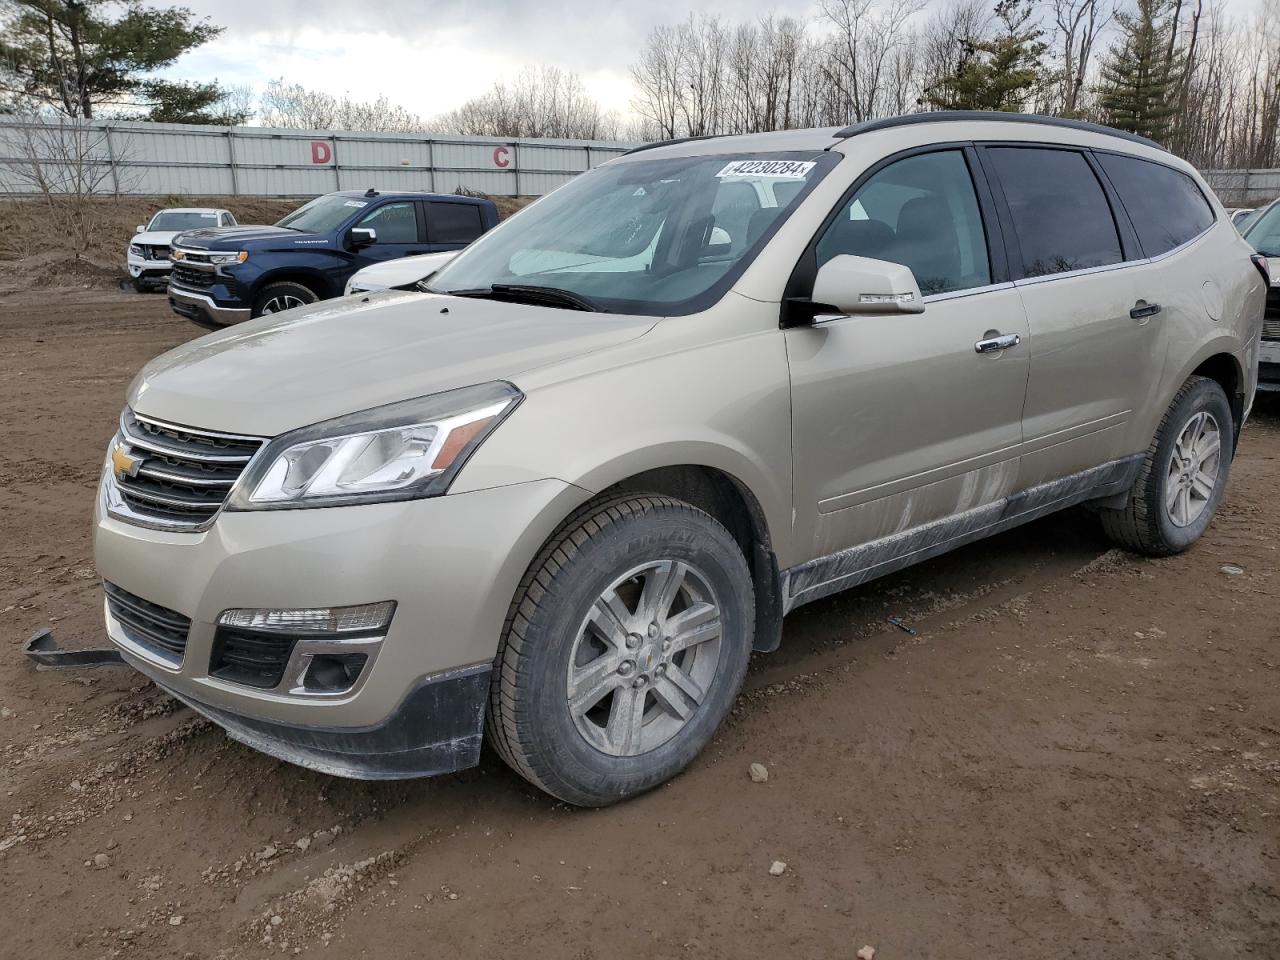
(1183, 476)
(625, 647)
(285, 295)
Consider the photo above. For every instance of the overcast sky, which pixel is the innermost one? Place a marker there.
(431, 55)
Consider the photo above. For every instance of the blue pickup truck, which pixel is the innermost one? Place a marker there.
(222, 275)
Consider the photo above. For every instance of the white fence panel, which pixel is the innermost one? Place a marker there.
(166, 158)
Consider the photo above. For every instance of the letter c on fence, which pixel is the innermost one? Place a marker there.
(320, 152)
(501, 157)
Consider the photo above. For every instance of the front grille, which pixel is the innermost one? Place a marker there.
(193, 276)
(1271, 328)
(148, 624)
(154, 252)
(180, 476)
(255, 658)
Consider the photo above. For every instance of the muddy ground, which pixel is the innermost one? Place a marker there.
(1077, 755)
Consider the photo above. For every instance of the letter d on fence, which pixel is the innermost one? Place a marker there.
(321, 152)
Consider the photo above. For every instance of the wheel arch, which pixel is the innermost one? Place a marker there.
(1219, 360)
(313, 280)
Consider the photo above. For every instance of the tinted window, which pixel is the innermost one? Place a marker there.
(395, 223)
(1166, 207)
(453, 222)
(921, 212)
(1263, 231)
(1060, 212)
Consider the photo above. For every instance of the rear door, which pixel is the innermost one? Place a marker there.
(451, 225)
(898, 419)
(1097, 344)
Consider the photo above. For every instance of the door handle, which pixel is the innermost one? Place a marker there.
(997, 343)
(1141, 310)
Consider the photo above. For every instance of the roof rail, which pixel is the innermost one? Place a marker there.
(671, 142)
(943, 116)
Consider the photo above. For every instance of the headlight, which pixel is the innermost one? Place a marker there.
(402, 451)
(135, 249)
(239, 257)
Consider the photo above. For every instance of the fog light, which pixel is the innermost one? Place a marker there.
(333, 673)
(305, 652)
(361, 618)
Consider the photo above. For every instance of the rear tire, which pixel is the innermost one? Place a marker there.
(285, 295)
(624, 649)
(1183, 477)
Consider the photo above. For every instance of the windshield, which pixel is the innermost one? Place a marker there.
(174, 220)
(1264, 232)
(322, 214)
(659, 237)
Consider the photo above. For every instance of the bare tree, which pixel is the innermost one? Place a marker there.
(295, 107)
(1078, 24)
(544, 102)
(69, 164)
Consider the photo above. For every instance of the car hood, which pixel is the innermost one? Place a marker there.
(237, 238)
(154, 237)
(397, 273)
(313, 363)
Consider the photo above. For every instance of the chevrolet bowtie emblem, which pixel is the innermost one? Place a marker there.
(124, 463)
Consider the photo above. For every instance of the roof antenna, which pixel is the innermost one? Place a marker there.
(371, 192)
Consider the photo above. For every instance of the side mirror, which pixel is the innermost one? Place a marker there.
(853, 285)
(362, 236)
(141, 229)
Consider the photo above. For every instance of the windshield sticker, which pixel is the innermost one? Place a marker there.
(208, 216)
(356, 203)
(779, 169)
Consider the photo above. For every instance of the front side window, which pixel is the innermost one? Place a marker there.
(647, 236)
(1165, 205)
(453, 222)
(1060, 213)
(921, 212)
(393, 222)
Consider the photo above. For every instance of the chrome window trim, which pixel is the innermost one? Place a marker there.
(967, 292)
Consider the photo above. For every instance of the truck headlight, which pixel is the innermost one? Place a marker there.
(135, 249)
(402, 451)
(238, 257)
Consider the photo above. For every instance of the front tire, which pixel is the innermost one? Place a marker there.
(1183, 477)
(625, 648)
(284, 295)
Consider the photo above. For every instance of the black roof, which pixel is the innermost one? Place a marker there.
(944, 116)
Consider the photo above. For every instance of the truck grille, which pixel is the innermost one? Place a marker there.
(181, 476)
(1271, 328)
(192, 276)
(252, 657)
(148, 624)
(155, 252)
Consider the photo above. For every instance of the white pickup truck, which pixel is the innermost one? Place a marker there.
(148, 254)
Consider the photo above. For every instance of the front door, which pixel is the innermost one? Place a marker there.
(898, 420)
(399, 233)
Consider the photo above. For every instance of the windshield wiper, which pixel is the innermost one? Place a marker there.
(528, 293)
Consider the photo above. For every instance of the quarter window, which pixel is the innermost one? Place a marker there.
(394, 223)
(453, 222)
(1060, 213)
(921, 212)
(1165, 205)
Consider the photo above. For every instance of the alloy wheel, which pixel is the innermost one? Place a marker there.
(1193, 469)
(644, 658)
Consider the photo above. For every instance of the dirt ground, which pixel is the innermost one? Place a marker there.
(1076, 755)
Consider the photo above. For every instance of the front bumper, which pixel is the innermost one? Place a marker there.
(452, 564)
(149, 271)
(203, 309)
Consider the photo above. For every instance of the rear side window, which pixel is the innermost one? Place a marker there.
(1060, 213)
(453, 222)
(1165, 205)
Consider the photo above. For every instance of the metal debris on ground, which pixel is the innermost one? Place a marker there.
(902, 626)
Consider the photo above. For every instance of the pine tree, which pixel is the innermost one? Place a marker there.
(1140, 78)
(996, 73)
